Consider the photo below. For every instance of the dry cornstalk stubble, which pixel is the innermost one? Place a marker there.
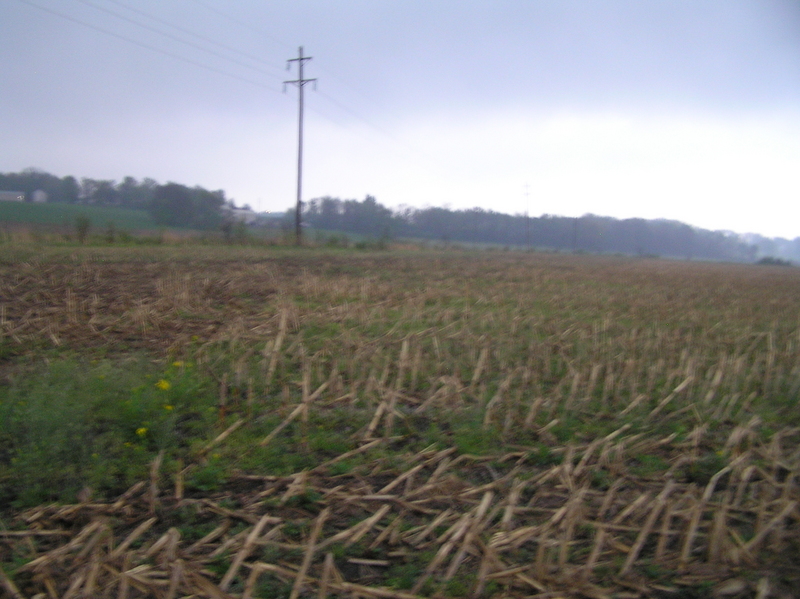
(563, 536)
(597, 430)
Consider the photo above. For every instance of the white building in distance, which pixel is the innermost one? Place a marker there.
(241, 215)
(12, 196)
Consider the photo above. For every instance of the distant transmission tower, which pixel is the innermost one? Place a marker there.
(300, 83)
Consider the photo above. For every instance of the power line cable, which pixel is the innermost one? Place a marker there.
(327, 97)
(330, 99)
(241, 23)
(251, 27)
(148, 46)
(197, 35)
(215, 70)
(170, 36)
(353, 113)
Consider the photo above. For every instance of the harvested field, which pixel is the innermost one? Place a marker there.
(393, 425)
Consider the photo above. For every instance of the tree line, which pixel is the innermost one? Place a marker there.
(177, 205)
(172, 204)
(588, 233)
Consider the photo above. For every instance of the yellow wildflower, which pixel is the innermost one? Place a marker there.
(178, 363)
(163, 385)
(168, 408)
(141, 431)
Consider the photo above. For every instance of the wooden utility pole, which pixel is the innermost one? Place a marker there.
(300, 83)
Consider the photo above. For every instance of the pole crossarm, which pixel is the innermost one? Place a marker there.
(300, 81)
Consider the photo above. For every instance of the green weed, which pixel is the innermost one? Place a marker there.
(647, 466)
(73, 424)
(271, 587)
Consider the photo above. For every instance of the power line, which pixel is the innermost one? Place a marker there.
(244, 24)
(222, 72)
(170, 36)
(251, 27)
(147, 46)
(197, 35)
(378, 128)
(335, 102)
(259, 30)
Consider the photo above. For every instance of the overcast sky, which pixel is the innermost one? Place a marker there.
(679, 109)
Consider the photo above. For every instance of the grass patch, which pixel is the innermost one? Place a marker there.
(72, 423)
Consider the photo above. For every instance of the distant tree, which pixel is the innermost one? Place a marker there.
(88, 188)
(133, 194)
(99, 192)
(366, 218)
(106, 193)
(772, 261)
(69, 191)
(587, 233)
(176, 205)
(172, 205)
(206, 208)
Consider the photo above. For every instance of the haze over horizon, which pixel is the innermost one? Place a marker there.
(678, 110)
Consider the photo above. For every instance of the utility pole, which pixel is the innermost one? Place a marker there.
(300, 83)
(527, 217)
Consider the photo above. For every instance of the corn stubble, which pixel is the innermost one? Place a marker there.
(535, 425)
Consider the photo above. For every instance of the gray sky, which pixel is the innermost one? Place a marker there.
(680, 109)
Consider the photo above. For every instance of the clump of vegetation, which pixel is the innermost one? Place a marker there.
(111, 232)
(83, 224)
(333, 240)
(68, 425)
(772, 261)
